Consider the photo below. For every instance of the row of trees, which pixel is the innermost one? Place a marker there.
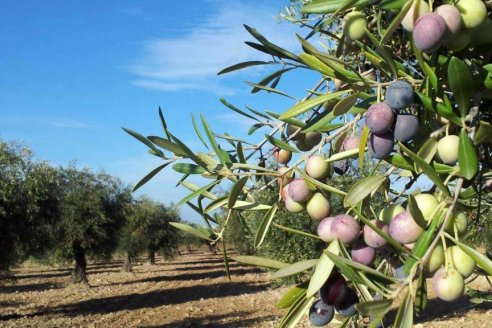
(68, 213)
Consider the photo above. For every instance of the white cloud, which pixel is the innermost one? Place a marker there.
(68, 123)
(192, 60)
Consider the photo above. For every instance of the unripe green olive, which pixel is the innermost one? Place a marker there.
(459, 220)
(436, 259)
(460, 261)
(473, 12)
(447, 149)
(448, 285)
(390, 212)
(459, 42)
(318, 207)
(354, 25)
(317, 167)
(413, 14)
(426, 204)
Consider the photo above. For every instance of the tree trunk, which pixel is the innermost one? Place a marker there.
(127, 263)
(79, 273)
(151, 258)
(212, 248)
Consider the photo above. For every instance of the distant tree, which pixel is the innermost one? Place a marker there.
(148, 231)
(93, 209)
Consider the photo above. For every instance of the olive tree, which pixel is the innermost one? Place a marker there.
(404, 88)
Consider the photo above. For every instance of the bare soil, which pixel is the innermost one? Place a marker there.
(190, 291)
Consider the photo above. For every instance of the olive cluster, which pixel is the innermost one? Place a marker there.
(386, 122)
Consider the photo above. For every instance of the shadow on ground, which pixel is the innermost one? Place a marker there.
(28, 288)
(151, 299)
(217, 321)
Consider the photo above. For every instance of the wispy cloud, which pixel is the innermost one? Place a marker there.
(67, 123)
(191, 61)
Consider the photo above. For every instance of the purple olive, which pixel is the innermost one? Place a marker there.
(406, 127)
(363, 254)
(380, 145)
(404, 229)
(429, 32)
(334, 289)
(299, 190)
(320, 313)
(345, 228)
(347, 307)
(379, 117)
(371, 238)
(399, 94)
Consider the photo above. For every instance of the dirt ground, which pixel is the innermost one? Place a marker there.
(190, 291)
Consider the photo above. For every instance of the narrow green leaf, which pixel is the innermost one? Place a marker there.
(392, 4)
(163, 122)
(149, 176)
(467, 156)
(280, 144)
(168, 145)
(404, 317)
(191, 230)
(362, 146)
(439, 108)
(461, 84)
(292, 295)
(415, 212)
(361, 189)
(242, 65)
(421, 295)
(275, 76)
(143, 140)
(388, 57)
(376, 308)
(305, 106)
(197, 192)
(484, 133)
(187, 168)
(400, 162)
(237, 110)
(194, 187)
(316, 64)
(323, 269)
(431, 174)
(211, 138)
(345, 104)
(197, 131)
(215, 204)
(188, 151)
(320, 184)
(274, 49)
(295, 231)
(428, 150)
(322, 7)
(268, 89)
(265, 225)
(254, 127)
(260, 261)
(296, 312)
(320, 123)
(294, 268)
(236, 191)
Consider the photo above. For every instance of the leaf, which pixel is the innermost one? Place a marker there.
(236, 191)
(211, 139)
(168, 145)
(191, 230)
(254, 127)
(242, 65)
(294, 268)
(143, 140)
(362, 146)
(484, 133)
(415, 212)
(188, 151)
(439, 108)
(317, 64)
(197, 131)
(323, 269)
(461, 84)
(387, 56)
(344, 105)
(304, 106)
(280, 144)
(274, 49)
(265, 225)
(361, 189)
(320, 184)
(260, 261)
(392, 4)
(376, 308)
(226, 261)
(268, 89)
(319, 123)
(269, 78)
(400, 162)
(296, 312)
(197, 192)
(360, 267)
(322, 6)
(421, 295)
(194, 187)
(427, 151)
(150, 175)
(429, 171)
(404, 317)
(188, 168)
(467, 156)
(163, 122)
(292, 295)
(237, 110)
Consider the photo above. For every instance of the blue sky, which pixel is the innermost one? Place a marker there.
(75, 72)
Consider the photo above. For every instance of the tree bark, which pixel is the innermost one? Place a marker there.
(151, 258)
(127, 263)
(79, 275)
(212, 248)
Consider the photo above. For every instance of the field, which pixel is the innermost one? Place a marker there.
(190, 291)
